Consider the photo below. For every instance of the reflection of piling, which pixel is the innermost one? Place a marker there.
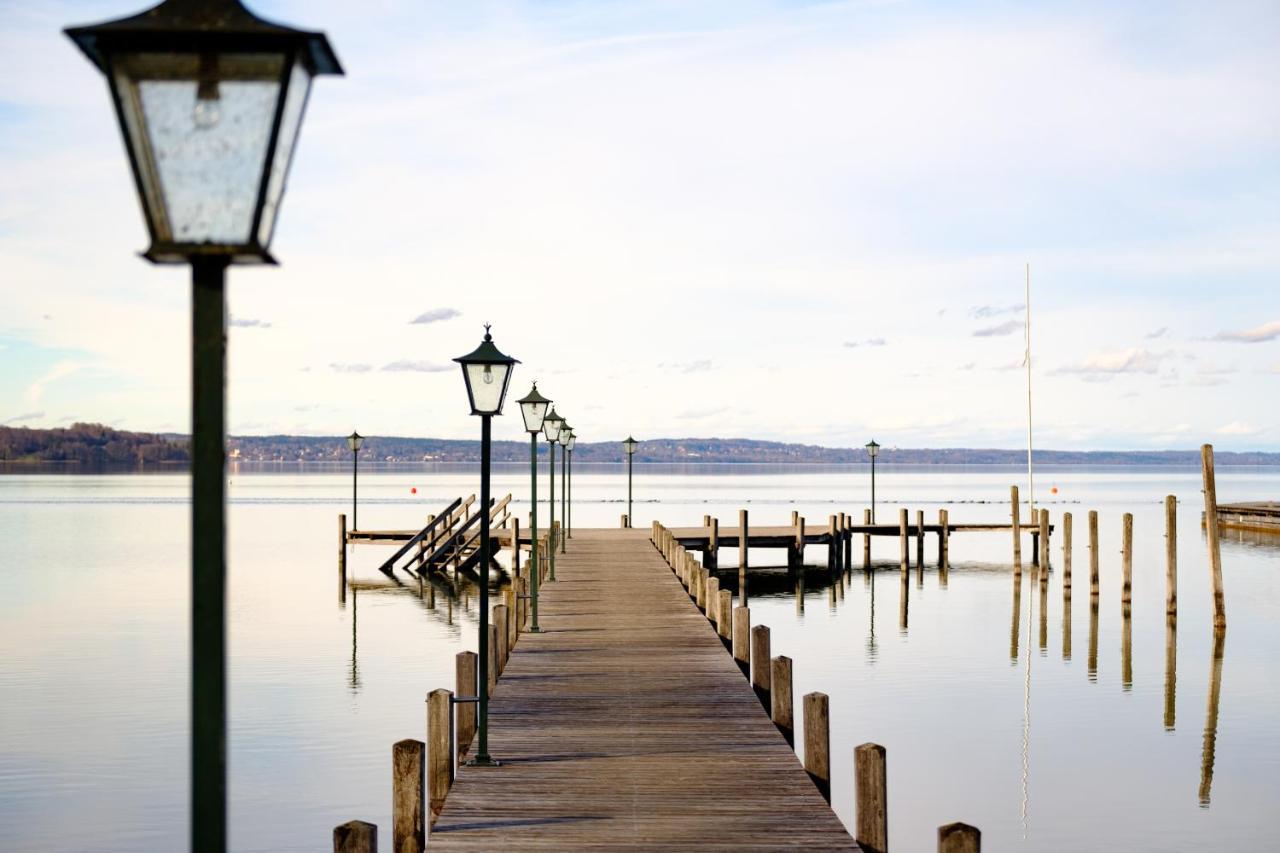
(1211, 719)
(1213, 531)
(1093, 640)
(1170, 672)
(904, 594)
(1066, 626)
(1126, 651)
(1016, 622)
(1044, 609)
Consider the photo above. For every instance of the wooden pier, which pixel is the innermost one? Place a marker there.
(1260, 517)
(626, 725)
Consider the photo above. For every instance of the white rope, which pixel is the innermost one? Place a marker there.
(1026, 360)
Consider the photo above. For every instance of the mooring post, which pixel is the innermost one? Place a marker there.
(1171, 556)
(795, 517)
(760, 668)
(493, 658)
(798, 561)
(440, 751)
(866, 539)
(712, 557)
(905, 551)
(871, 795)
(1213, 531)
(831, 543)
(724, 616)
(817, 742)
(1126, 557)
(712, 597)
(780, 708)
(466, 686)
(408, 831)
(510, 599)
(944, 540)
(355, 836)
(920, 539)
(1015, 506)
(500, 615)
(1066, 555)
(1043, 561)
(742, 557)
(1093, 553)
(742, 639)
(959, 838)
(342, 563)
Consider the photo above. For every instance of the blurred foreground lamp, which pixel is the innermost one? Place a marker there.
(210, 99)
(486, 372)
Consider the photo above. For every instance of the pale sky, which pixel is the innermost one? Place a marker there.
(801, 221)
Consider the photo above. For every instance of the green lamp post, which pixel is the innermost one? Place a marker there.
(487, 372)
(551, 425)
(629, 445)
(533, 406)
(573, 439)
(209, 99)
(566, 432)
(873, 450)
(354, 441)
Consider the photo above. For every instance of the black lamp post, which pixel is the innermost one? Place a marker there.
(354, 441)
(873, 450)
(486, 372)
(210, 100)
(551, 429)
(573, 439)
(566, 433)
(630, 447)
(533, 406)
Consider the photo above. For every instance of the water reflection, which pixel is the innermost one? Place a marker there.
(1044, 611)
(1211, 719)
(1026, 719)
(904, 594)
(870, 579)
(1126, 650)
(1066, 625)
(1170, 672)
(1017, 618)
(353, 673)
(1093, 638)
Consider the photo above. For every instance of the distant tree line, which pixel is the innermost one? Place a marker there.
(89, 444)
(95, 444)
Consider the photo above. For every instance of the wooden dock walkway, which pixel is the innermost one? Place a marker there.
(626, 725)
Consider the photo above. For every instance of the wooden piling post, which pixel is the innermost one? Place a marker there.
(817, 741)
(799, 547)
(795, 517)
(465, 666)
(761, 675)
(711, 597)
(342, 565)
(1015, 506)
(1093, 553)
(408, 831)
(871, 793)
(510, 599)
(742, 638)
(500, 614)
(831, 543)
(1126, 557)
(1213, 531)
(440, 751)
(780, 707)
(944, 540)
(493, 658)
(905, 552)
(1066, 555)
(1044, 542)
(355, 836)
(866, 540)
(713, 545)
(959, 838)
(742, 557)
(1171, 556)
(724, 616)
(920, 539)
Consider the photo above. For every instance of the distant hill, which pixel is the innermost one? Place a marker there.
(94, 444)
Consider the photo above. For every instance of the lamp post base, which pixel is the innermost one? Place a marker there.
(483, 761)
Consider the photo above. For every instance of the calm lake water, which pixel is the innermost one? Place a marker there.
(990, 714)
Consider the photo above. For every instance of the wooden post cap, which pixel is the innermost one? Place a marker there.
(959, 838)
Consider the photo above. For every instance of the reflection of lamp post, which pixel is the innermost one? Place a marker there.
(551, 429)
(630, 447)
(873, 450)
(573, 439)
(486, 371)
(354, 441)
(533, 406)
(566, 432)
(209, 99)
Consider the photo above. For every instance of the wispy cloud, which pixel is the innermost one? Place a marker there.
(29, 416)
(435, 315)
(61, 370)
(1105, 365)
(695, 414)
(418, 366)
(351, 368)
(1237, 428)
(248, 323)
(1256, 335)
(866, 342)
(700, 366)
(1158, 333)
(1006, 328)
(984, 312)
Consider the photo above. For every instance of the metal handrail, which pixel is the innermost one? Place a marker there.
(386, 568)
(455, 542)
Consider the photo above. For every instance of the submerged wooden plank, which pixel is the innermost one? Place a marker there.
(626, 725)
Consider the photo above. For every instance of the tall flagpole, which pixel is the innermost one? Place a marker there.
(1031, 479)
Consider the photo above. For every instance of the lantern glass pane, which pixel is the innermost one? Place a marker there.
(486, 383)
(199, 129)
(572, 440)
(295, 101)
(533, 415)
(551, 428)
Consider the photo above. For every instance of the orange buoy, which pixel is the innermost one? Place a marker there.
(414, 490)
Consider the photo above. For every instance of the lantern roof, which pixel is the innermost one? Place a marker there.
(533, 397)
(486, 353)
(203, 25)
